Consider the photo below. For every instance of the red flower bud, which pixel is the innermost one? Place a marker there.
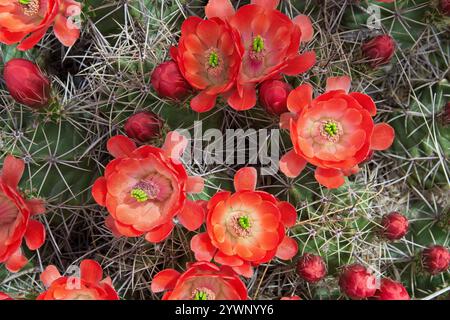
(445, 7)
(143, 126)
(436, 259)
(395, 225)
(273, 96)
(311, 267)
(168, 81)
(379, 50)
(26, 83)
(391, 290)
(356, 282)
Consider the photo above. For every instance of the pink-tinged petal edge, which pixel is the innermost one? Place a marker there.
(195, 184)
(222, 9)
(339, 83)
(120, 146)
(382, 137)
(49, 275)
(245, 179)
(192, 215)
(291, 164)
(174, 145)
(164, 280)
(287, 249)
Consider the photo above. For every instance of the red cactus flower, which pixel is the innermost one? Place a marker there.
(209, 54)
(379, 50)
(88, 285)
(26, 83)
(4, 296)
(201, 281)
(291, 298)
(273, 96)
(143, 126)
(246, 228)
(357, 283)
(445, 7)
(26, 21)
(334, 132)
(311, 267)
(436, 259)
(395, 225)
(168, 81)
(271, 41)
(145, 188)
(16, 216)
(391, 290)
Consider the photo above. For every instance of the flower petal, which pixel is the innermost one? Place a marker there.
(195, 184)
(338, 83)
(219, 8)
(12, 171)
(174, 145)
(165, 280)
(160, 233)
(245, 101)
(382, 137)
(287, 249)
(365, 101)
(35, 235)
(306, 27)
(202, 247)
(245, 179)
(16, 261)
(300, 98)
(192, 215)
(49, 275)
(91, 271)
(203, 102)
(300, 63)
(120, 146)
(99, 191)
(288, 213)
(291, 164)
(330, 178)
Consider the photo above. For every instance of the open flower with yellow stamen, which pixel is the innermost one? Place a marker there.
(334, 131)
(245, 228)
(145, 188)
(201, 281)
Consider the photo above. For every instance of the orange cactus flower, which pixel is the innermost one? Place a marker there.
(334, 132)
(246, 228)
(16, 217)
(145, 188)
(271, 41)
(88, 285)
(201, 281)
(26, 21)
(208, 56)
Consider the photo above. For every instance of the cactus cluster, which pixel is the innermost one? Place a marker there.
(102, 86)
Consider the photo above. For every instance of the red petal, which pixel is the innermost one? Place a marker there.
(165, 280)
(36, 206)
(160, 233)
(285, 120)
(12, 171)
(91, 271)
(330, 178)
(268, 4)
(99, 191)
(66, 32)
(244, 270)
(245, 179)
(219, 8)
(35, 235)
(305, 25)
(365, 101)
(16, 261)
(382, 137)
(192, 215)
(291, 164)
(174, 145)
(339, 83)
(202, 247)
(111, 225)
(244, 102)
(287, 249)
(203, 102)
(288, 213)
(120, 146)
(195, 184)
(300, 63)
(32, 40)
(300, 98)
(49, 275)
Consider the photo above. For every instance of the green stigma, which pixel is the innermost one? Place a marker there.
(213, 60)
(139, 195)
(331, 128)
(244, 222)
(258, 44)
(201, 295)
(24, 2)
